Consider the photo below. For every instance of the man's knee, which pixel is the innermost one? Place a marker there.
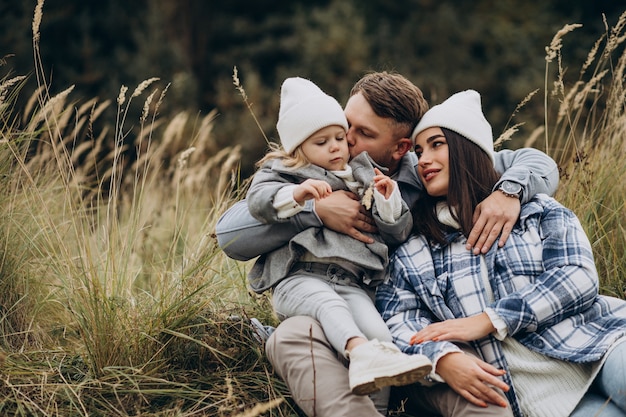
(297, 328)
(294, 340)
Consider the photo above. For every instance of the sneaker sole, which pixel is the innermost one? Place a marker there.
(403, 378)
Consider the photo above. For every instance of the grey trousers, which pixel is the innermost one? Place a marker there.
(318, 379)
(343, 309)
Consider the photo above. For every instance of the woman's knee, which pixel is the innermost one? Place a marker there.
(597, 406)
(612, 378)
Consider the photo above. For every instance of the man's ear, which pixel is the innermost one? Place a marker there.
(402, 147)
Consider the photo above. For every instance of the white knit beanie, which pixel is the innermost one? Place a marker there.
(461, 113)
(305, 109)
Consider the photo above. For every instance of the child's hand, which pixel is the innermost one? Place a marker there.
(383, 184)
(311, 189)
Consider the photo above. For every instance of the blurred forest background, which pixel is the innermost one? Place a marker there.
(496, 47)
(115, 298)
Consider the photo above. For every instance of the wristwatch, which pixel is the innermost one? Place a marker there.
(511, 189)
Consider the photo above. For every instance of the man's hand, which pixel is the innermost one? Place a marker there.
(494, 216)
(473, 379)
(343, 212)
(464, 329)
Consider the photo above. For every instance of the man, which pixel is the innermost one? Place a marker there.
(382, 111)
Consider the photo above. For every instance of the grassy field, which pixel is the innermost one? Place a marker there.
(115, 298)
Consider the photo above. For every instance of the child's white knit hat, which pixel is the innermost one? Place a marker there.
(305, 109)
(462, 113)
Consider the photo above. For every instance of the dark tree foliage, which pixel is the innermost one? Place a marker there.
(496, 47)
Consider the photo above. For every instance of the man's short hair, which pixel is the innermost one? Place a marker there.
(392, 96)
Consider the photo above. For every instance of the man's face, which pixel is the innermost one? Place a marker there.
(371, 133)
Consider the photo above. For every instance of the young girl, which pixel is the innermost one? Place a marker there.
(547, 344)
(321, 273)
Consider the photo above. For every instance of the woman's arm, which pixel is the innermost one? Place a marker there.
(568, 284)
(399, 298)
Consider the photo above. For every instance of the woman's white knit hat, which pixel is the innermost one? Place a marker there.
(305, 109)
(462, 113)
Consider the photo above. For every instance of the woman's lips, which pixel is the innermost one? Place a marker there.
(429, 174)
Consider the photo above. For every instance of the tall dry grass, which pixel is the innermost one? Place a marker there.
(585, 131)
(114, 297)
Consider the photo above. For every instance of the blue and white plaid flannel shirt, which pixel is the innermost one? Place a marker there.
(544, 282)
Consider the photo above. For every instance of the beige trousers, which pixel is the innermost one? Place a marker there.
(318, 379)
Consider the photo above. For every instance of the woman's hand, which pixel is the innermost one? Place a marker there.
(473, 379)
(464, 329)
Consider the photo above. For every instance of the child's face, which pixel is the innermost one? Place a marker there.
(433, 163)
(327, 148)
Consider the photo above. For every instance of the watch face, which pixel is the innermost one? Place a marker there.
(511, 187)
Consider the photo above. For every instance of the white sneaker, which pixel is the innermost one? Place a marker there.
(375, 364)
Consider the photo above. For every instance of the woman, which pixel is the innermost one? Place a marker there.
(520, 329)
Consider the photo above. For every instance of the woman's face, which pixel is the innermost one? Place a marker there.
(431, 149)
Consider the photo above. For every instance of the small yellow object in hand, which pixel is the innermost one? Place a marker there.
(368, 197)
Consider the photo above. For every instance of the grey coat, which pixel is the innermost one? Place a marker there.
(321, 242)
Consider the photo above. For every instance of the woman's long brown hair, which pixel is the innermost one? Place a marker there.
(472, 177)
